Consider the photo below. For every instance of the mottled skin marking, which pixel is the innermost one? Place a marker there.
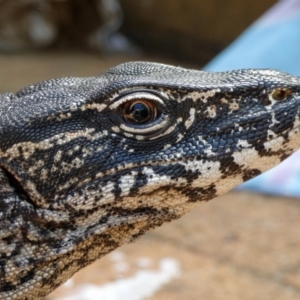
(77, 180)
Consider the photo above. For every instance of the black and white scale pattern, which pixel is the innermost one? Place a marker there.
(79, 177)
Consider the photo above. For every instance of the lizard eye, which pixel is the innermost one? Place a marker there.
(141, 114)
(280, 94)
(140, 111)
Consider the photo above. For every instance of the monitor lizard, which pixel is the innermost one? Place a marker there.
(88, 164)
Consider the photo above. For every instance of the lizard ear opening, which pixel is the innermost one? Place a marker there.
(17, 186)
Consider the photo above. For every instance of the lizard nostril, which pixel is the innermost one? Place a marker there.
(280, 94)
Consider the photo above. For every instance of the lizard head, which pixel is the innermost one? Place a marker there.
(98, 161)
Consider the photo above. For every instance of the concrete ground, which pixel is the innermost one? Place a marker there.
(239, 246)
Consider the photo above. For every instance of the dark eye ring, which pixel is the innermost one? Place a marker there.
(280, 94)
(140, 111)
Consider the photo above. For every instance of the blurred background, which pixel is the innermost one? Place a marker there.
(244, 245)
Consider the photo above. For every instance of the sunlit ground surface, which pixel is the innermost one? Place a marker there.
(240, 246)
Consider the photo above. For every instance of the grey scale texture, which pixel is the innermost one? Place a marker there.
(81, 173)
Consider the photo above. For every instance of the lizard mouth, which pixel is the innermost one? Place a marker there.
(285, 138)
(283, 144)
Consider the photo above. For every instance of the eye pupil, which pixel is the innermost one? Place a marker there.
(139, 112)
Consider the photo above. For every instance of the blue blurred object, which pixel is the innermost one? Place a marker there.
(271, 42)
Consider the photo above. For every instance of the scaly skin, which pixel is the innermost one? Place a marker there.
(88, 164)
